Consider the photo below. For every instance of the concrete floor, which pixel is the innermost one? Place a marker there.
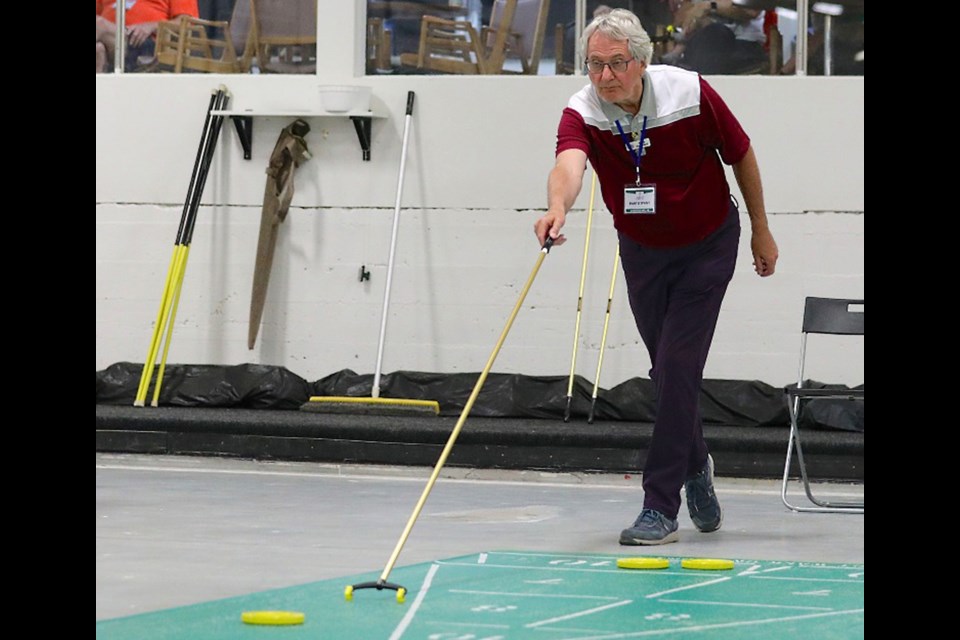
(175, 531)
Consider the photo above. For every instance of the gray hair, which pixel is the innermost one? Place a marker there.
(620, 24)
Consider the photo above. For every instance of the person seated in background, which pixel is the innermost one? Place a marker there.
(717, 37)
(140, 22)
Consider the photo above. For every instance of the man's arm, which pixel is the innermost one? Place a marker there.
(762, 244)
(563, 187)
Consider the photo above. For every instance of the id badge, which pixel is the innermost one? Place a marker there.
(640, 199)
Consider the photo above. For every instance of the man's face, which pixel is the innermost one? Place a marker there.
(614, 86)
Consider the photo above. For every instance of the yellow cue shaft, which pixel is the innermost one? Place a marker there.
(463, 417)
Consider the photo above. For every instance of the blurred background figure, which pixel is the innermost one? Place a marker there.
(845, 45)
(718, 37)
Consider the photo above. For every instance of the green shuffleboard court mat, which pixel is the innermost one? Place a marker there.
(506, 595)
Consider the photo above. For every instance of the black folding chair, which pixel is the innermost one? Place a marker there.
(821, 316)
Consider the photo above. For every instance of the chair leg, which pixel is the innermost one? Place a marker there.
(422, 49)
(786, 474)
(820, 505)
(386, 50)
(825, 504)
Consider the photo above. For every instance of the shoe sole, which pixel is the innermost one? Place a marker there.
(670, 537)
(710, 530)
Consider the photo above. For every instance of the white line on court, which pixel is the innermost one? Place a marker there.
(798, 579)
(755, 569)
(553, 596)
(469, 625)
(709, 627)
(710, 603)
(688, 587)
(558, 556)
(730, 490)
(612, 572)
(579, 614)
(408, 618)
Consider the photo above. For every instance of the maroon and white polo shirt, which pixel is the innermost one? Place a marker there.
(689, 134)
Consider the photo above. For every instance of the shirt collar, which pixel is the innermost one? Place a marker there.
(648, 106)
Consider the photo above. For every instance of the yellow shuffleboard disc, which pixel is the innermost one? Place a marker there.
(706, 564)
(643, 563)
(273, 617)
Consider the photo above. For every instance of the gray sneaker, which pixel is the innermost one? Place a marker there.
(702, 500)
(651, 527)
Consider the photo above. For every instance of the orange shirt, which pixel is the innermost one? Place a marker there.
(139, 11)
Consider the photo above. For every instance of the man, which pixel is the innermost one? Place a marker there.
(657, 137)
(140, 21)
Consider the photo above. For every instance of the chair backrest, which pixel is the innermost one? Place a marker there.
(447, 46)
(500, 36)
(292, 21)
(829, 316)
(185, 44)
(209, 46)
(453, 46)
(241, 24)
(286, 35)
(525, 28)
(836, 316)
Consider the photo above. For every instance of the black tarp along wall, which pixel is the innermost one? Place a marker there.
(253, 386)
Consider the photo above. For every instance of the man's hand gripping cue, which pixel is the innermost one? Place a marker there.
(563, 187)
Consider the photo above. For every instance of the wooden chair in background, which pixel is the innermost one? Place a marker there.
(186, 43)
(562, 54)
(447, 46)
(526, 33)
(285, 35)
(278, 36)
(456, 46)
(379, 46)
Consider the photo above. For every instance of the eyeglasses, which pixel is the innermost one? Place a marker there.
(596, 67)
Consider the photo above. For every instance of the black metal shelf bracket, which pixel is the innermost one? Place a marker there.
(244, 126)
(363, 125)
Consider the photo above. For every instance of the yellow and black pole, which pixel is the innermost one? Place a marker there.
(178, 263)
(382, 583)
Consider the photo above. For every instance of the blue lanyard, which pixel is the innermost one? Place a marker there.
(638, 154)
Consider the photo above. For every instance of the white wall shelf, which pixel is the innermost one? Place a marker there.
(243, 122)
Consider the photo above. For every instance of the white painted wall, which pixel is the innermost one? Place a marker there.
(479, 153)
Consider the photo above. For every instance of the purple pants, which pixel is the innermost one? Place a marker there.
(675, 295)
